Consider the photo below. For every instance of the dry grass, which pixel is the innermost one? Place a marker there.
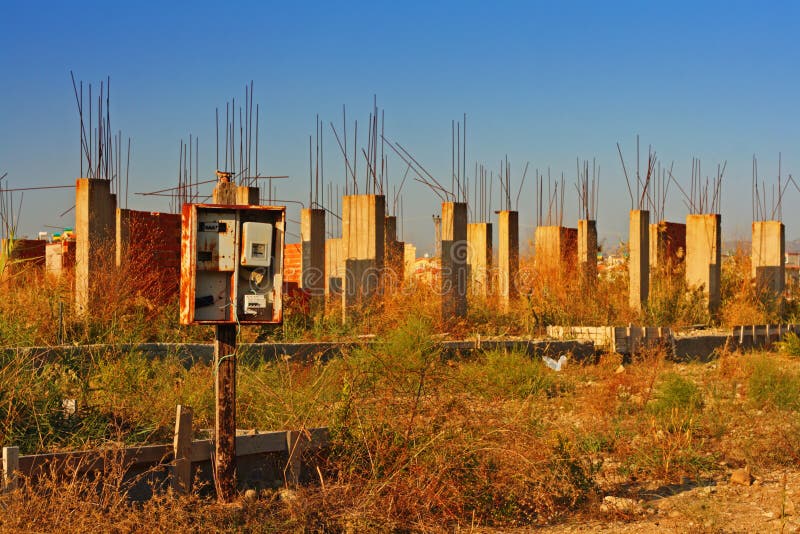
(421, 442)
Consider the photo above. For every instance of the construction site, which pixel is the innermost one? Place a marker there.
(398, 337)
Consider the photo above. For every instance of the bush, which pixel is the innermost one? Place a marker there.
(771, 386)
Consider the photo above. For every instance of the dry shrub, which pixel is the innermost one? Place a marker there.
(742, 304)
(68, 498)
(420, 443)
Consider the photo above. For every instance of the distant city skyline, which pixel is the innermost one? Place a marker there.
(544, 83)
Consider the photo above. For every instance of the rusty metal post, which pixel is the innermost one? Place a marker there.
(225, 429)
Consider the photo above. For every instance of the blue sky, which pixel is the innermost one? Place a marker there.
(544, 82)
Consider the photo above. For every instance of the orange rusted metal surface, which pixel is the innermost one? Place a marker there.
(217, 285)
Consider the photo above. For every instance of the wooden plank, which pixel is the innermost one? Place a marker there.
(182, 450)
(10, 468)
(225, 429)
(295, 445)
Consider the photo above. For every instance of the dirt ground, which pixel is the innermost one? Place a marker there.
(770, 504)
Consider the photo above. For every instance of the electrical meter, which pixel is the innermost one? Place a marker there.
(232, 264)
(256, 244)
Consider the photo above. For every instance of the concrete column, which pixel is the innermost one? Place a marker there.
(394, 254)
(312, 253)
(703, 255)
(225, 193)
(95, 210)
(587, 249)
(363, 234)
(638, 258)
(479, 258)
(507, 255)
(247, 196)
(409, 260)
(555, 248)
(123, 224)
(454, 260)
(768, 256)
(334, 266)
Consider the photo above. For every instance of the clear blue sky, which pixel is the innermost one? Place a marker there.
(540, 81)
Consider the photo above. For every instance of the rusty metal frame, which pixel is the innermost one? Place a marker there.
(188, 282)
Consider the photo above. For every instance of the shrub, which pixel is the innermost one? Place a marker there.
(771, 386)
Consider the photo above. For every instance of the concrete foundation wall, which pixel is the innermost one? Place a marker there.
(479, 258)
(768, 256)
(638, 258)
(507, 255)
(363, 235)
(703, 255)
(454, 260)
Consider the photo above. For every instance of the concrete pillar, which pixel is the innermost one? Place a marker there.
(587, 249)
(123, 226)
(312, 245)
(95, 218)
(768, 256)
(247, 196)
(479, 258)
(334, 267)
(454, 260)
(507, 255)
(638, 258)
(555, 248)
(228, 193)
(225, 193)
(667, 244)
(363, 234)
(394, 254)
(409, 260)
(703, 255)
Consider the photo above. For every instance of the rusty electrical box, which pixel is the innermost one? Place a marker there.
(232, 264)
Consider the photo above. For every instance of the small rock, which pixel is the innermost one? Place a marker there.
(620, 369)
(741, 476)
(674, 513)
(250, 495)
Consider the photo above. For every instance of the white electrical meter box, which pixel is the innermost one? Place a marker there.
(256, 244)
(232, 264)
